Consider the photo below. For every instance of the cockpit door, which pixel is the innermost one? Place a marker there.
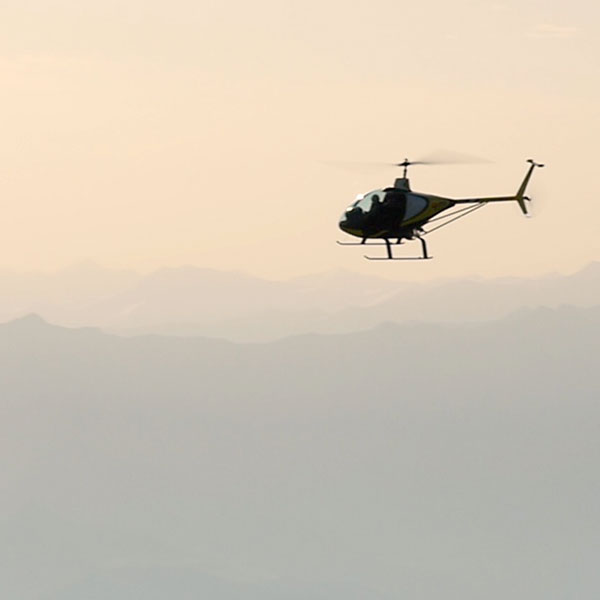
(414, 206)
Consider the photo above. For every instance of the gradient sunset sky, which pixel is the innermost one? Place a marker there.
(150, 133)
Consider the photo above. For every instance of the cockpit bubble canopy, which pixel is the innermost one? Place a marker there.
(365, 202)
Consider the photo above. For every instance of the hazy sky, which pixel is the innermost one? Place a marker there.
(148, 133)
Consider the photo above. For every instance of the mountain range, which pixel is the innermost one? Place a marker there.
(409, 460)
(190, 301)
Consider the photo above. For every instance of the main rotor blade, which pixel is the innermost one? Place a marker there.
(409, 163)
(441, 157)
(450, 157)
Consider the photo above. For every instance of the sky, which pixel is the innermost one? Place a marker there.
(148, 134)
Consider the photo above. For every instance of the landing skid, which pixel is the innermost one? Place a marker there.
(388, 245)
(398, 257)
(390, 256)
(363, 243)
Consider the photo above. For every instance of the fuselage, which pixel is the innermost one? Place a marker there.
(391, 213)
(398, 212)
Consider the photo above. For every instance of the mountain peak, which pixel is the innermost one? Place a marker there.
(29, 320)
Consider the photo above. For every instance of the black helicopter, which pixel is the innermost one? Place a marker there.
(398, 213)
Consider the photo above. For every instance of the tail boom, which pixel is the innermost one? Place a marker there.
(520, 196)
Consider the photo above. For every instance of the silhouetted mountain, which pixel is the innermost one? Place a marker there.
(421, 461)
(190, 301)
(450, 302)
(57, 294)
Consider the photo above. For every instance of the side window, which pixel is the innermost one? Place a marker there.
(414, 206)
(395, 198)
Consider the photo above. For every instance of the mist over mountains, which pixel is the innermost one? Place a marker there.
(238, 307)
(410, 460)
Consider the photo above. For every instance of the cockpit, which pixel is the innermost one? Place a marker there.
(380, 211)
(366, 212)
(364, 203)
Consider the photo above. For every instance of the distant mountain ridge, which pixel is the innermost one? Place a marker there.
(190, 301)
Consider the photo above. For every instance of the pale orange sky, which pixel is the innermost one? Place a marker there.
(143, 134)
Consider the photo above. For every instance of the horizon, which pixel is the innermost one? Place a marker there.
(92, 264)
(193, 301)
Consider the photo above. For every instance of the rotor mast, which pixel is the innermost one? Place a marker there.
(406, 163)
(402, 183)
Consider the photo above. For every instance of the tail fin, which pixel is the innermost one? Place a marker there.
(520, 197)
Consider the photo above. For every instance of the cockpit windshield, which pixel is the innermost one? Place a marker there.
(365, 203)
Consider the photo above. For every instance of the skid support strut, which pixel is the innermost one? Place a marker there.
(389, 249)
(390, 256)
(423, 246)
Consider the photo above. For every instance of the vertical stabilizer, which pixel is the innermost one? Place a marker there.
(520, 197)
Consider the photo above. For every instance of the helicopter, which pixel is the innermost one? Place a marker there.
(401, 214)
